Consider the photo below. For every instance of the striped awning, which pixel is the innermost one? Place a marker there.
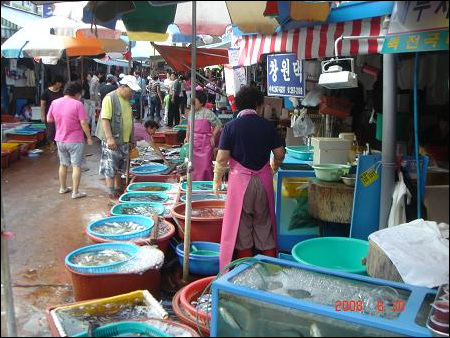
(315, 41)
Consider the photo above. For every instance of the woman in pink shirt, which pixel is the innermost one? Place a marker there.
(71, 121)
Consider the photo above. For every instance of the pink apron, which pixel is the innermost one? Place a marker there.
(203, 152)
(238, 181)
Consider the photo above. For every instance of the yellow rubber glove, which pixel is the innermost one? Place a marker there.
(219, 170)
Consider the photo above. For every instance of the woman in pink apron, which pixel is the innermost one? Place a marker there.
(206, 128)
(246, 144)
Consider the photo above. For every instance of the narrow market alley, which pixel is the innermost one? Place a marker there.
(47, 226)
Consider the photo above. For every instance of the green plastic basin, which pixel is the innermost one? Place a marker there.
(339, 253)
(331, 172)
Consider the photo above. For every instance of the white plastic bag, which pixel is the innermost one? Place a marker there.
(398, 213)
(312, 99)
(303, 125)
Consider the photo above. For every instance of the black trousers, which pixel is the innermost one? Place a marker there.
(173, 117)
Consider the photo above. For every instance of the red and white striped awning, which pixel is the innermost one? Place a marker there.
(314, 42)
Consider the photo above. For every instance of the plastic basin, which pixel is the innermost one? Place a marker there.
(302, 153)
(331, 172)
(162, 241)
(128, 248)
(100, 285)
(118, 209)
(149, 169)
(172, 178)
(171, 137)
(191, 293)
(199, 186)
(207, 229)
(126, 329)
(147, 222)
(338, 253)
(151, 186)
(156, 197)
(204, 197)
(203, 262)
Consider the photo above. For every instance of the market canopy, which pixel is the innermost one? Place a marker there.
(180, 57)
(315, 42)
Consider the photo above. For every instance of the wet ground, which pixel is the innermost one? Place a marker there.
(47, 226)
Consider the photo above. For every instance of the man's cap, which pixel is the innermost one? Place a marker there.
(109, 77)
(121, 76)
(130, 81)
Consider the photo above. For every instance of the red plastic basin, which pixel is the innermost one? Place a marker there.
(207, 229)
(191, 293)
(93, 286)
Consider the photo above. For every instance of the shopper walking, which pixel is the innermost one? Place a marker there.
(115, 130)
(52, 93)
(71, 121)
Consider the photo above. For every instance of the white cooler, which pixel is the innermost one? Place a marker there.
(328, 150)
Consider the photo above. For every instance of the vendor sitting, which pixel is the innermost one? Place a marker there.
(151, 127)
(25, 114)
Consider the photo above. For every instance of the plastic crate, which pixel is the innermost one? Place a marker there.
(148, 223)
(128, 248)
(85, 311)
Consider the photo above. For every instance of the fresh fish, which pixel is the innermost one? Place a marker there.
(314, 330)
(228, 317)
(118, 228)
(203, 304)
(151, 188)
(142, 210)
(146, 198)
(208, 212)
(102, 257)
(299, 293)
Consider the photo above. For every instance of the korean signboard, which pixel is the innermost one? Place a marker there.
(418, 26)
(285, 75)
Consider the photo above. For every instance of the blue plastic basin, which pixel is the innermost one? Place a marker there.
(128, 248)
(160, 197)
(205, 265)
(117, 210)
(149, 169)
(147, 222)
(203, 197)
(159, 187)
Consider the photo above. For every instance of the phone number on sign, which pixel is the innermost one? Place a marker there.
(358, 306)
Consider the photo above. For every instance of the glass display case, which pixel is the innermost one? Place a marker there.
(291, 204)
(274, 297)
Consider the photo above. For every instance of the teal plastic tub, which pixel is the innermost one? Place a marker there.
(125, 329)
(157, 208)
(200, 186)
(338, 253)
(144, 196)
(302, 153)
(150, 187)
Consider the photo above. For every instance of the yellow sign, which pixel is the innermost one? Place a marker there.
(368, 177)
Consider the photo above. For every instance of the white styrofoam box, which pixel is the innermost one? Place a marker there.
(35, 113)
(328, 150)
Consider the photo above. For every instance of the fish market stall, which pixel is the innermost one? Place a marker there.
(273, 297)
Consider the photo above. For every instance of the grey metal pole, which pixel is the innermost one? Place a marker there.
(389, 137)
(187, 229)
(130, 61)
(68, 67)
(11, 330)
